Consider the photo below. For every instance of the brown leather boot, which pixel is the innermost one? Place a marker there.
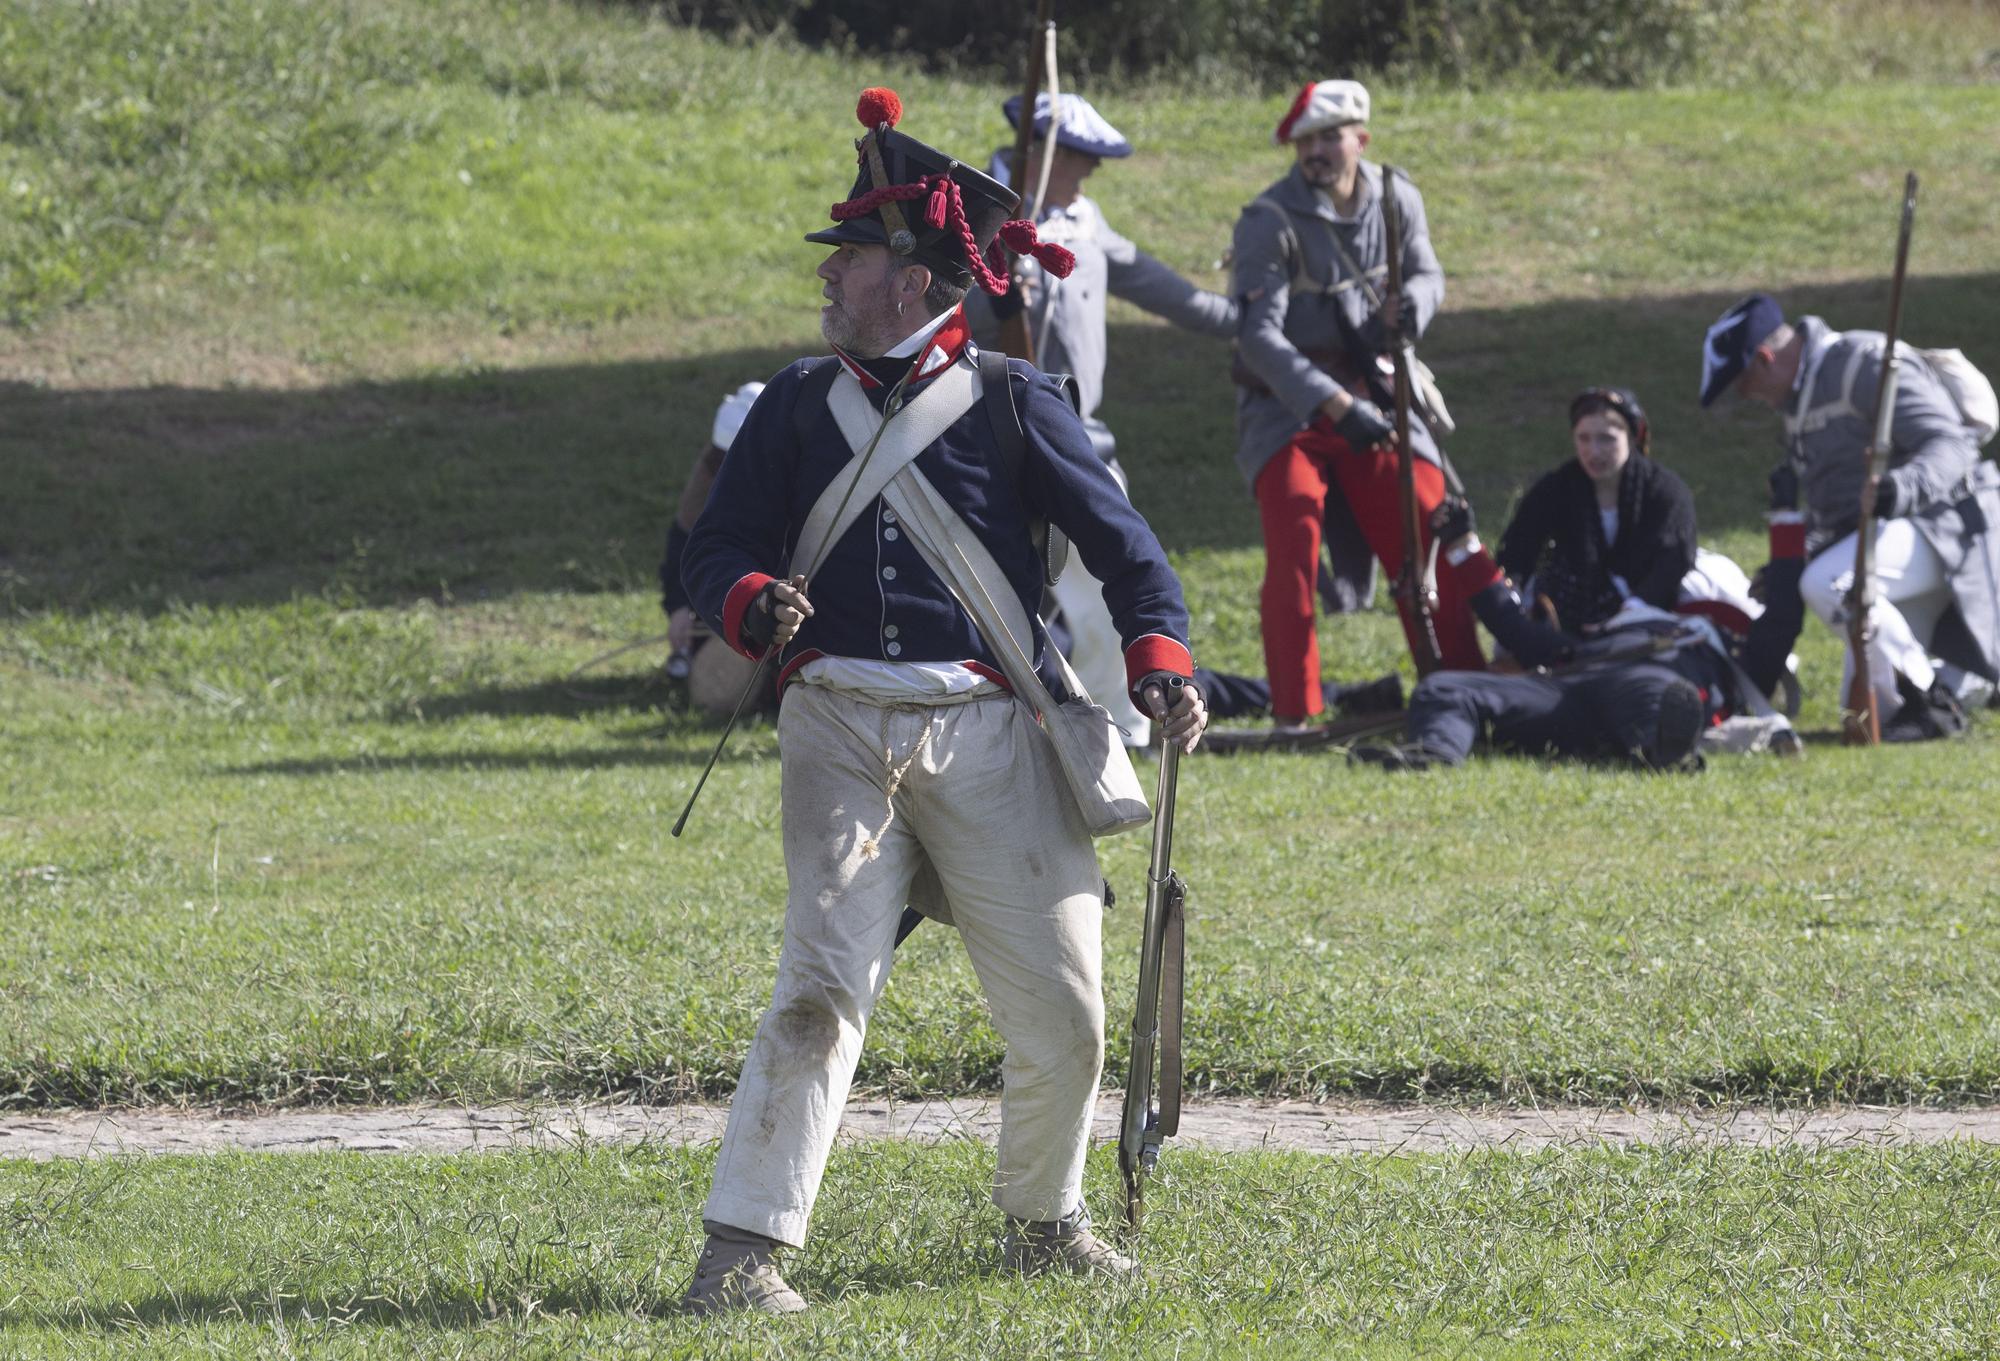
(1035, 1246)
(738, 1270)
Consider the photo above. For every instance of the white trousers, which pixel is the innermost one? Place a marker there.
(982, 797)
(1912, 593)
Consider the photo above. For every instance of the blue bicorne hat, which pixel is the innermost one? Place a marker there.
(1080, 127)
(1732, 339)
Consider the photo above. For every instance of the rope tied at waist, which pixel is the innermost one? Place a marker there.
(872, 847)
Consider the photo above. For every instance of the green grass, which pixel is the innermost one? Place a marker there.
(320, 484)
(1582, 1253)
(224, 896)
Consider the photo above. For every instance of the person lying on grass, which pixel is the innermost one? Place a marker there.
(1641, 689)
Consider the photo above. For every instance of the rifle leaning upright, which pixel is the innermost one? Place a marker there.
(1015, 339)
(1156, 1025)
(1861, 716)
(1416, 582)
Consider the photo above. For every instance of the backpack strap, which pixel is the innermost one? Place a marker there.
(996, 380)
(813, 389)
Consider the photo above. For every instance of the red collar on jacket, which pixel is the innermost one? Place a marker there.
(946, 344)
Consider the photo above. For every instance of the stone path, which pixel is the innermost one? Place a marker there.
(1344, 1127)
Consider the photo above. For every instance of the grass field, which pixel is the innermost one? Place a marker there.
(355, 359)
(1572, 1254)
(312, 511)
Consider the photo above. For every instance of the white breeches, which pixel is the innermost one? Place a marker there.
(983, 798)
(1911, 595)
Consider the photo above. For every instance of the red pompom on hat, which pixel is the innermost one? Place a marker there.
(1020, 237)
(878, 105)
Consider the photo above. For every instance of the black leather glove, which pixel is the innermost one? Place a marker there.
(760, 625)
(1364, 426)
(1160, 678)
(1784, 482)
(1452, 520)
(1888, 499)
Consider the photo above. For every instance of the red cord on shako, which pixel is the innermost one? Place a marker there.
(880, 109)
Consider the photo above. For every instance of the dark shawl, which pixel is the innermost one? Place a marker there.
(1557, 538)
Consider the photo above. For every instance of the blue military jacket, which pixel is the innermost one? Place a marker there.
(874, 596)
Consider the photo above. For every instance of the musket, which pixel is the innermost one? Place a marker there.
(1861, 716)
(750, 687)
(1416, 581)
(1014, 337)
(1152, 1111)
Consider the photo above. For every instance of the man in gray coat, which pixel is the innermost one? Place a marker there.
(1317, 322)
(1935, 628)
(1066, 323)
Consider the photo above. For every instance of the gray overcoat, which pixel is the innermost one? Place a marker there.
(1943, 486)
(1298, 296)
(1066, 316)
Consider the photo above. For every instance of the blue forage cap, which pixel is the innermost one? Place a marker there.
(1080, 128)
(1731, 340)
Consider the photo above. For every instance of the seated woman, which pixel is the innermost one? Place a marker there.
(1608, 526)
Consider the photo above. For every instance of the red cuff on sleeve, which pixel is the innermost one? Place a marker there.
(1476, 573)
(733, 607)
(1156, 652)
(1788, 535)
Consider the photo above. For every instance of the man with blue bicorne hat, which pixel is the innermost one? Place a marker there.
(1934, 630)
(911, 772)
(1066, 324)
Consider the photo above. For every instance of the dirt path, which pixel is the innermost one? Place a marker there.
(1349, 1127)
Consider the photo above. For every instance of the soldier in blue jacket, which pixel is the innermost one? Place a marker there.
(906, 760)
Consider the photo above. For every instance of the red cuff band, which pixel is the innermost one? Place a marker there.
(1788, 539)
(1476, 573)
(734, 606)
(1156, 652)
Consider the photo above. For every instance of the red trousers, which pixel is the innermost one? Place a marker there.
(1291, 499)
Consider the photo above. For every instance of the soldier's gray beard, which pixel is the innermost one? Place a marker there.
(861, 332)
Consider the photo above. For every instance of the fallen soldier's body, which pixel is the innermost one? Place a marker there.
(1642, 690)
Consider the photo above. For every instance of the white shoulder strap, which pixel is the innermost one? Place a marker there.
(1811, 419)
(882, 446)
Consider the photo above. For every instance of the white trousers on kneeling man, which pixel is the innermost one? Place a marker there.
(1911, 595)
(982, 798)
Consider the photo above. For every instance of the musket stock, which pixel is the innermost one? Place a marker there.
(1861, 716)
(1015, 338)
(1416, 581)
(1152, 1112)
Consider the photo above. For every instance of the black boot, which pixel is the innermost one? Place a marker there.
(1398, 756)
(1926, 715)
(1677, 728)
(1383, 695)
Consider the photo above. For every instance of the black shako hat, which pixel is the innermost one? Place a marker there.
(923, 205)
